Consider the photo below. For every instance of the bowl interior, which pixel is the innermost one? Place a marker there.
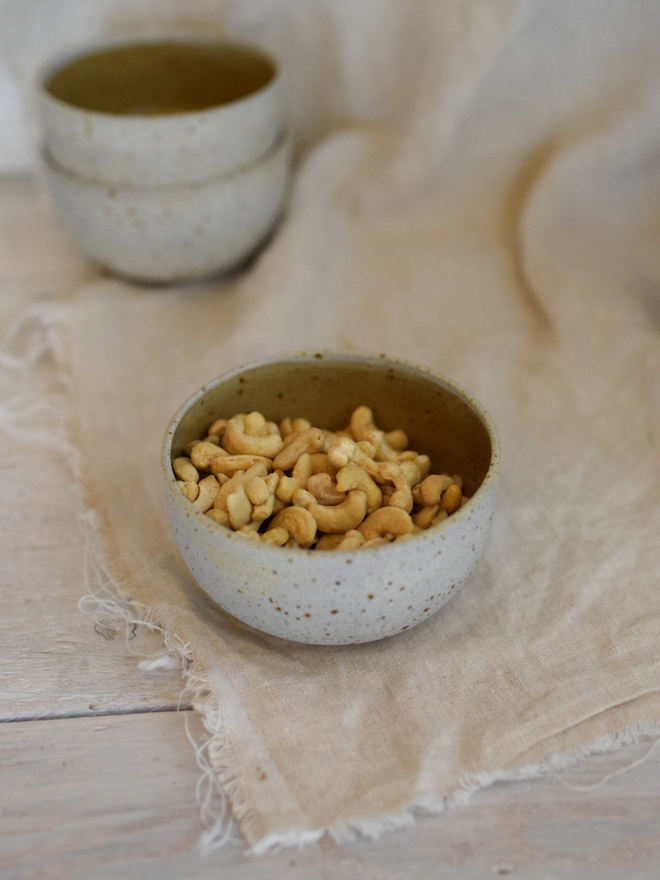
(440, 420)
(156, 78)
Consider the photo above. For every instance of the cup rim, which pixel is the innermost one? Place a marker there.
(280, 147)
(47, 69)
(488, 483)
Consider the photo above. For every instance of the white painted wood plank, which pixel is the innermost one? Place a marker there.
(98, 799)
(52, 661)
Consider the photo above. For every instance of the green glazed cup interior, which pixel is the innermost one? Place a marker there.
(441, 421)
(159, 77)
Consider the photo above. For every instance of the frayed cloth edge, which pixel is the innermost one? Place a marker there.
(373, 827)
(42, 417)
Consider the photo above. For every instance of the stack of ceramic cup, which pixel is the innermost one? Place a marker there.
(151, 185)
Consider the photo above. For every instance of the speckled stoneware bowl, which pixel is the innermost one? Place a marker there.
(143, 135)
(334, 597)
(176, 233)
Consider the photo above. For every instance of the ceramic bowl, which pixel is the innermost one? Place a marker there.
(174, 233)
(144, 148)
(335, 597)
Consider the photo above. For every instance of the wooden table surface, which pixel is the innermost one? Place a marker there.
(97, 775)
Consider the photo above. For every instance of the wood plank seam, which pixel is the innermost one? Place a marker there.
(93, 713)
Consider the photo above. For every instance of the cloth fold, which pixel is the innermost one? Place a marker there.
(497, 221)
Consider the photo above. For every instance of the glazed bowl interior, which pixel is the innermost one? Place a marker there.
(325, 388)
(157, 78)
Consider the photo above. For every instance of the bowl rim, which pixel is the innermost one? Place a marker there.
(49, 68)
(488, 483)
(280, 149)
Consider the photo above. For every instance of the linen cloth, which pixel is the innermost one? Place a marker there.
(477, 190)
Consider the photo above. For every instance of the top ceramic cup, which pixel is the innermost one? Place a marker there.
(161, 113)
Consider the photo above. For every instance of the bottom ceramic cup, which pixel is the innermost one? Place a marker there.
(173, 233)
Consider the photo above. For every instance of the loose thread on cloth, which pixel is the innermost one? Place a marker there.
(621, 771)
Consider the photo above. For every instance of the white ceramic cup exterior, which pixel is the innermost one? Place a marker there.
(333, 597)
(160, 150)
(173, 233)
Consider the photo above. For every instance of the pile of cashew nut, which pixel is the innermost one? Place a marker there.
(295, 485)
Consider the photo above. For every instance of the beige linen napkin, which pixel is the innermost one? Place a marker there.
(505, 232)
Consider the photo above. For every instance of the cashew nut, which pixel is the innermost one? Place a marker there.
(210, 438)
(423, 462)
(363, 428)
(302, 470)
(352, 540)
(386, 521)
(321, 464)
(299, 425)
(441, 517)
(303, 498)
(451, 500)
(255, 489)
(189, 488)
(387, 497)
(230, 464)
(238, 508)
(329, 542)
(367, 447)
(410, 472)
(237, 441)
(425, 516)
(249, 532)
(286, 427)
(341, 517)
(267, 508)
(298, 522)
(310, 440)
(382, 449)
(185, 470)
(229, 486)
(458, 479)
(346, 450)
(208, 489)
(203, 454)
(286, 488)
(397, 439)
(219, 516)
(353, 477)
(325, 490)
(277, 536)
(375, 542)
(218, 428)
(254, 425)
(432, 488)
(402, 495)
